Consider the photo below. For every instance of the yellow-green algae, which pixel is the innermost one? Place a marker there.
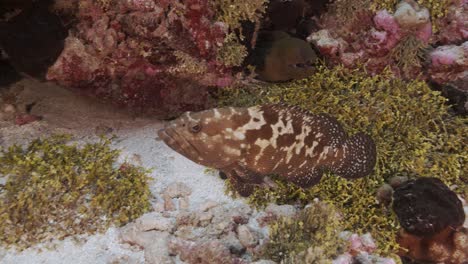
(310, 237)
(232, 13)
(410, 123)
(409, 54)
(56, 189)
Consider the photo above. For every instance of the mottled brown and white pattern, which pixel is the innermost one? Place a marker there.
(251, 142)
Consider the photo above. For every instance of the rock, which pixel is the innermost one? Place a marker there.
(366, 258)
(123, 259)
(129, 234)
(103, 130)
(23, 119)
(207, 205)
(184, 203)
(345, 258)
(447, 71)
(234, 245)
(397, 181)
(157, 251)
(426, 206)
(219, 228)
(384, 194)
(448, 246)
(285, 210)
(264, 261)
(9, 108)
(273, 212)
(168, 204)
(201, 252)
(7, 112)
(159, 207)
(205, 218)
(326, 43)
(189, 233)
(409, 14)
(457, 93)
(187, 218)
(247, 237)
(432, 217)
(176, 190)
(154, 221)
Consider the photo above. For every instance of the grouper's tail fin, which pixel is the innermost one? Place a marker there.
(359, 157)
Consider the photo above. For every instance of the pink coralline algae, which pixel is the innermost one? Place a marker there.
(454, 24)
(360, 249)
(128, 53)
(23, 119)
(449, 63)
(381, 39)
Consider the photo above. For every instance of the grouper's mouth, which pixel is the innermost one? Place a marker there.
(179, 144)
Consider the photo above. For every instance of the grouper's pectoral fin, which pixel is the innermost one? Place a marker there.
(242, 179)
(306, 179)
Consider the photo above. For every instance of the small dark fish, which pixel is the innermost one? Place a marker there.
(251, 142)
(280, 57)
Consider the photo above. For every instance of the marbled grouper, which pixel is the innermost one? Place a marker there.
(248, 143)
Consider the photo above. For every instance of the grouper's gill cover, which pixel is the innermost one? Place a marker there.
(248, 143)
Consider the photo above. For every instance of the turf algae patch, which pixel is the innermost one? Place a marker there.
(56, 189)
(411, 125)
(315, 229)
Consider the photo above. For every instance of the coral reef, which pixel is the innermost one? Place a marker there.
(410, 123)
(375, 39)
(160, 57)
(55, 189)
(391, 33)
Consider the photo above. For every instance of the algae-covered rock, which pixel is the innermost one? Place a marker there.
(312, 234)
(56, 189)
(426, 206)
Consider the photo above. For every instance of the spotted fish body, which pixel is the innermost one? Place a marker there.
(251, 142)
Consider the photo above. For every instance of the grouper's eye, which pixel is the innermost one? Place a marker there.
(195, 128)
